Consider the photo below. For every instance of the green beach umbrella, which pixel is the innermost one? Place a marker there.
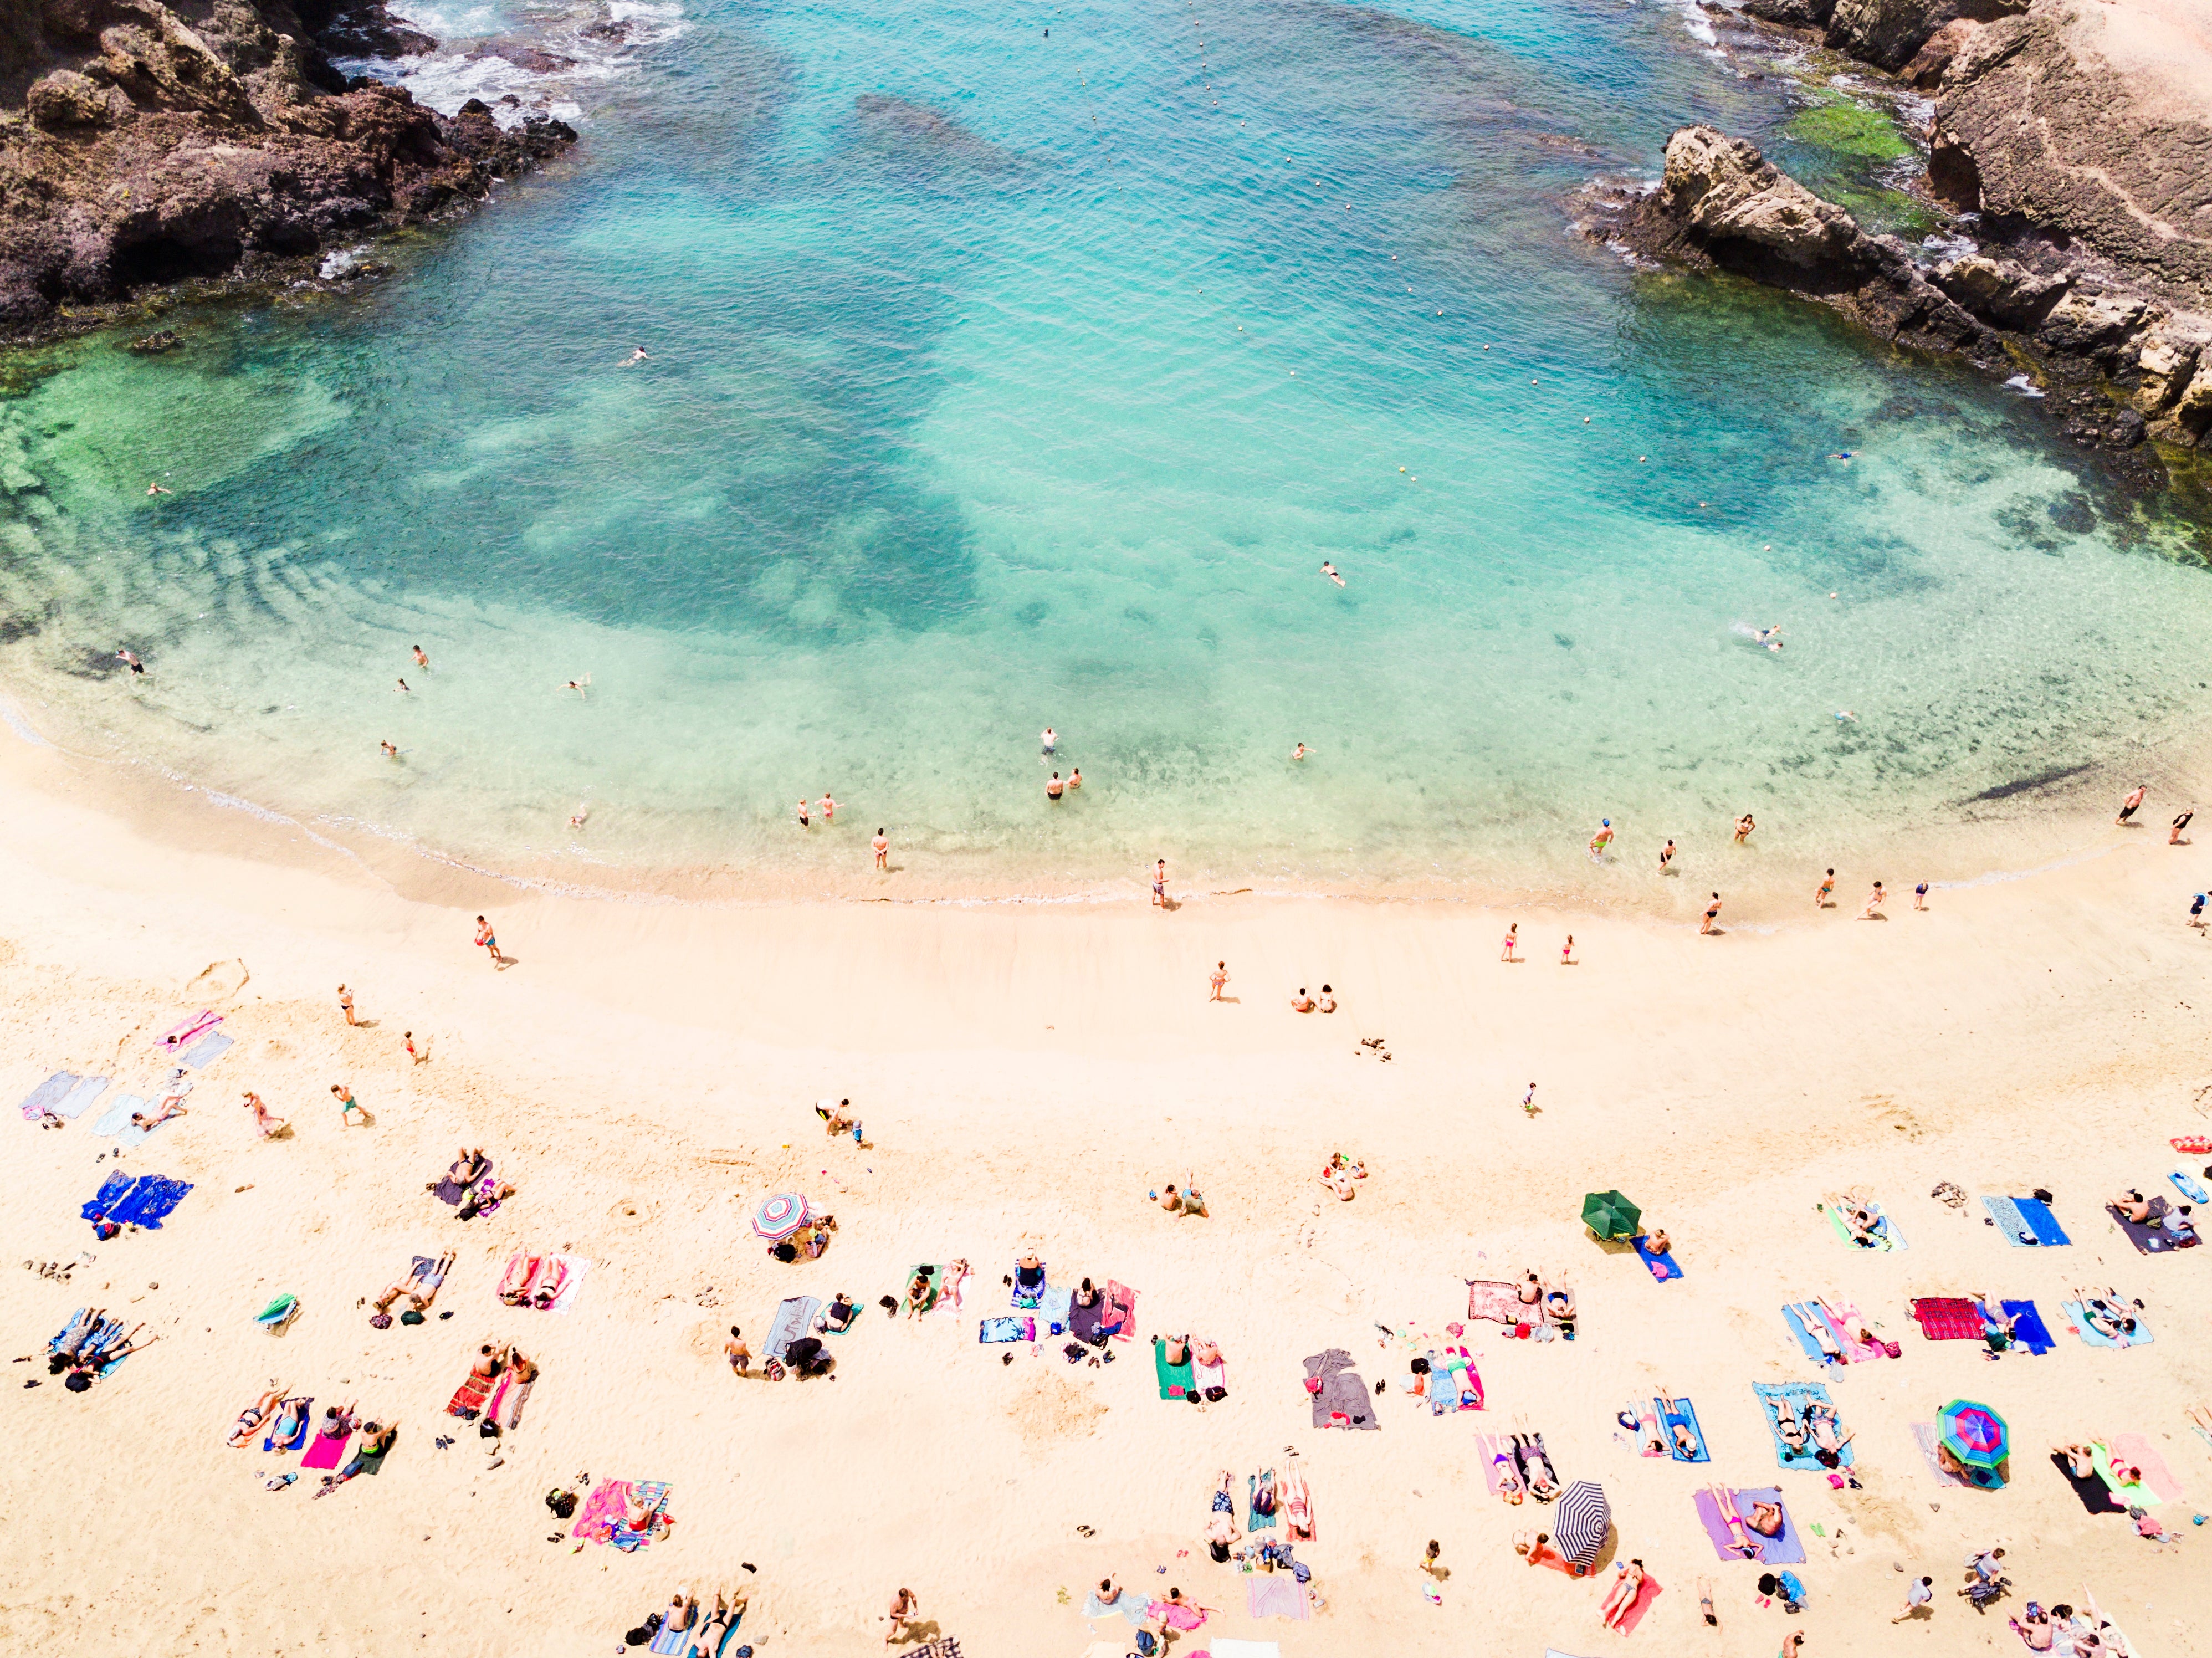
(1610, 1215)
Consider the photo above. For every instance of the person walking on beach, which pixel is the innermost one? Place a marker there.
(1219, 980)
(1512, 942)
(1666, 858)
(1601, 840)
(1743, 829)
(263, 1119)
(2173, 835)
(882, 849)
(1920, 1593)
(1160, 884)
(345, 1002)
(347, 1104)
(1567, 952)
(2196, 910)
(414, 1054)
(1528, 1101)
(1711, 910)
(1876, 899)
(1826, 895)
(487, 940)
(739, 1355)
(2129, 806)
(1920, 896)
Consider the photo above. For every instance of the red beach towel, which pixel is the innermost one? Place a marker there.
(1123, 1300)
(1948, 1318)
(470, 1398)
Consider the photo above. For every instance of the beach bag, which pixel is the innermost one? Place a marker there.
(1145, 1642)
(563, 1504)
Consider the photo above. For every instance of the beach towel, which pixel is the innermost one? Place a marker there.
(1797, 1323)
(948, 1298)
(1926, 1435)
(207, 1051)
(1297, 1504)
(1254, 1520)
(1796, 1396)
(1057, 1309)
(654, 1493)
(2078, 1316)
(1084, 1323)
(150, 1202)
(1176, 1615)
(677, 1642)
(1646, 1592)
(1123, 1301)
(1007, 1329)
(1452, 1384)
(1133, 1608)
(110, 1194)
(72, 1105)
(2028, 1330)
(1884, 1234)
(1786, 1550)
(794, 1317)
(186, 1031)
(1684, 1413)
(1847, 1321)
(601, 1510)
(1206, 1377)
(2024, 1221)
(1173, 1379)
(1493, 1299)
(328, 1450)
(2184, 1182)
(1664, 1267)
(2157, 1478)
(132, 1134)
(468, 1399)
(1275, 1595)
(117, 1117)
(48, 1094)
(270, 1442)
(1342, 1400)
(1947, 1318)
(450, 1191)
(1031, 1300)
(2094, 1494)
(1647, 1431)
(2148, 1237)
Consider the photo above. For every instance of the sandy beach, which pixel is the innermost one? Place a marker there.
(644, 1074)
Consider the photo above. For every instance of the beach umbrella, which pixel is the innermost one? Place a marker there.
(780, 1217)
(1580, 1522)
(1610, 1215)
(1975, 1434)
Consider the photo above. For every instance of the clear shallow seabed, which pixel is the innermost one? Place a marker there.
(1001, 379)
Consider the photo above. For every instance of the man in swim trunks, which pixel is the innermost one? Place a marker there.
(1711, 910)
(1160, 884)
(1602, 838)
(1665, 856)
(2128, 807)
(1329, 570)
(347, 1104)
(1826, 895)
(882, 848)
(129, 657)
(1054, 789)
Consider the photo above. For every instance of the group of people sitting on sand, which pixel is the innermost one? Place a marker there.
(928, 1286)
(1541, 1302)
(837, 1119)
(1179, 1201)
(808, 1243)
(1340, 1172)
(1304, 1003)
(683, 1615)
(466, 1187)
(92, 1342)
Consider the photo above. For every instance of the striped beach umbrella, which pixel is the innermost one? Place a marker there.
(780, 1217)
(1975, 1434)
(1581, 1522)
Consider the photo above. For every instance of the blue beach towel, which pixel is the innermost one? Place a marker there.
(110, 1194)
(2028, 1329)
(269, 1442)
(1684, 1413)
(117, 1116)
(2096, 1338)
(1797, 1395)
(2040, 1221)
(1056, 1306)
(1007, 1329)
(1805, 1340)
(794, 1317)
(210, 1049)
(1665, 1268)
(2189, 1186)
(73, 1104)
(150, 1202)
(47, 1094)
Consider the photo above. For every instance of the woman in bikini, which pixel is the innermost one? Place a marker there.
(1622, 1595)
(250, 1419)
(1739, 1538)
(1507, 1473)
(1535, 1467)
(1828, 1440)
(1790, 1430)
(264, 1120)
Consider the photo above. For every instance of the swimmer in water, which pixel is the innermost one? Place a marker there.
(390, 749)
(579, 686)
(829, 808)
(1602, 838)
(421, 660)
(636, 355)
(1842, 714)
(1049, 738)
(1770, 637)
(1300, 752)
(1329, 570)
(1075, 778)
(1666, 857)
(1841, 454)
(576, 817)
(401, 687)
(156, 489)
(125, 654)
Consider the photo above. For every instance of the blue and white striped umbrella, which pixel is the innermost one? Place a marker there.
(1580, 1522)
(780, 1217)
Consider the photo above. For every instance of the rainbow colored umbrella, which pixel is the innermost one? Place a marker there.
(780, 1217)
(1975, 1434)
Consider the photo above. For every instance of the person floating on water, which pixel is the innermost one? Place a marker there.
(1841, 454)
(580, 686)
(637, 354)
(1770, 637)
(156, 489)
(1329, 570)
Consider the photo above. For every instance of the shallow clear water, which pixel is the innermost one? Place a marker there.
(999, 380)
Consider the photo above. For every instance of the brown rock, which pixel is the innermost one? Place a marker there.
(65, 101)
(1935, 56)
(2164, 365)
(2006, 293)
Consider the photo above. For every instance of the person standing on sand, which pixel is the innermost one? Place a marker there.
(1876, 899)
(2128, 806)
(488, 940)
(1528, 1100)
(347, 1104)
(264, 1120)
(1512, 942)
(2173, 835)
(1920, 896)
(1601, 840)
(1711, 910)
(1160, 884)
(2196, 910)
(739, 1355)
(407, 1041)
(883, 850)
(1666, 857)
(345, 1001)
(1220, 980)
(1567, 952)
(904, 1605)
(1826, 895)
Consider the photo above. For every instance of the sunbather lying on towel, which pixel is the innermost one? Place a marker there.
(1507, 1473)
(468, 1168)
(1828, 1438)
(1535, 1467)
(2111, 1316)
(291, 1417)
(1787, 1426)
(483, 1197)
(376, 1440)
(1766, 1520)
(708, 1643)
(172, 1106)
(254, 1417)
(420, 1287)
(1338, 1181)
(1685, 1442)
(1817, 1327)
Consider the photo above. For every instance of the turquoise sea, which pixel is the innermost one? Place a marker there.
(1020, 367)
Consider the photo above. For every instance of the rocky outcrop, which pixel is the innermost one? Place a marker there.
(141, 143)
(2119, 368)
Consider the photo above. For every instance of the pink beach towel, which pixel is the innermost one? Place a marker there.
(1490, 1447)
(186, 1032)
(328, 1450)
(1276, 1595)
(1123, 1300)
(602, 1508)
(2134, 1450)
(1855, 1351)
(1494, 1300)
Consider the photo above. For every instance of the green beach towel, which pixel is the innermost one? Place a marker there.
(1175, 1379)
(936, 1277)
(1886, 1236)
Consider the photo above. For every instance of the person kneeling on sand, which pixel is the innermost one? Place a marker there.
(1327, 1002)
(1302, 1003)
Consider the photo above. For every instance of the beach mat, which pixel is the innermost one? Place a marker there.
(1244, 1650)
(150, 1202)
(566, 1301)
(1005, 1328)
(207, 1051)
(2025, 1223)
(654, 1493)
(74, 1104)
(1947, 1318)
(1057, 1309)
(117, 1117)
(2078, 1316)
(1786, 1550)
(1173, 1379)
(468, 1399)
(1926, 1435)
(671, 1640)
(1646, 1592)
(1276, 1595)
(2028, 1329)
(327, 1451)
(1123, 1300)
(1797, 1395)
(601, 1510)
(48, 1094)
(1254, 1520)
(2094, 1494)
(2149, 1238)
(1496, 1300)
(1812, 1348)
(1687, 1413)
(1343, 1400)
(1665, 1268)
(110, 1194)
(2158, 1480)
(794, 1317)
(1884, 1234)
(270, 1441)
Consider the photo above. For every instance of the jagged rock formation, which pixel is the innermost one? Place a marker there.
(142, 143)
